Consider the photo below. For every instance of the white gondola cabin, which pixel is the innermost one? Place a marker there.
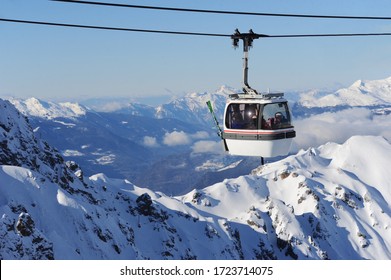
(257, 125)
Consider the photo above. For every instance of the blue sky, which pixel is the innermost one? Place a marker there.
(57, 63)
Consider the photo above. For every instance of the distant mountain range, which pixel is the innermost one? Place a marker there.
(360, 93)
(159, 146)
(152, 147)
(331, 202)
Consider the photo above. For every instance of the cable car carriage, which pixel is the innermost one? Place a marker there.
(255, 124)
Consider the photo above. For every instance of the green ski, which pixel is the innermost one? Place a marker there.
(219, 131)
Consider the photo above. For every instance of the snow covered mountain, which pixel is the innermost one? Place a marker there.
(360, 93)
(132, 143)
(48, 110)
(91, 138)
(20, 147)
(332, 202)
(191, 108)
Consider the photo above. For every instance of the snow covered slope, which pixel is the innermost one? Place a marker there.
(360, 93)
(332, 202)
(48, 110)
(192, 107)
(20, 147)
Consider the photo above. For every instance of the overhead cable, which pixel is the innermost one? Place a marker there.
(327, 35)
(225, 12)
(184, 32)
(111, 28)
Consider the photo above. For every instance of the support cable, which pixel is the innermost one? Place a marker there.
(225, 12)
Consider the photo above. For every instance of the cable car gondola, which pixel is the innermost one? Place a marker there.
(255, 124)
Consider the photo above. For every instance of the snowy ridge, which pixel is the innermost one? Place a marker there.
(192, 107)
(326, 203)
(48, 110)
(27, 162)
(20, 147)
(360, 93)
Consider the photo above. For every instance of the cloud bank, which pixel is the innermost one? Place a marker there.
(339, 126)
(205, 146)
(150, 142)
(177, 138)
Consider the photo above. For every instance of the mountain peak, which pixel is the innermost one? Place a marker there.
(48, 110)
(360, 93)
(225, 89)
(20, 147)
(358, 83)
(192, 107)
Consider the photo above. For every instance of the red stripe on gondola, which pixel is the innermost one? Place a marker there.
(256, 132)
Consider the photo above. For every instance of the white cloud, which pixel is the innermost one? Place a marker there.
(339, 126)
(72, 153)
(150, 142)
(112, 106)
(212, 147)
(176, 138)
(200, 135)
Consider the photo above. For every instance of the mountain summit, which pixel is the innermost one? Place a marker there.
(360, 93)
(48, 110)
